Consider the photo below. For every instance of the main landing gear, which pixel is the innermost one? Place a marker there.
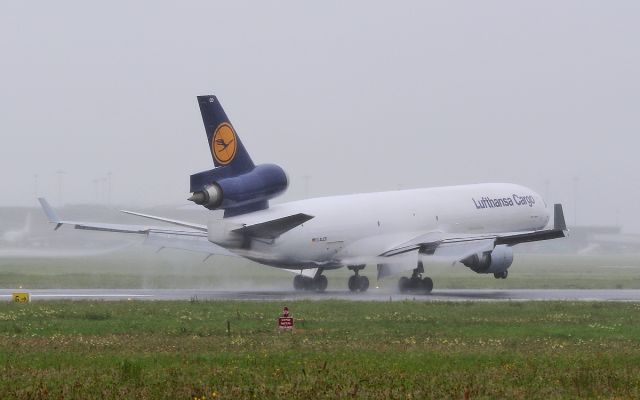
(416, 283)
(501, 275)
(356, 282)
(318, 283)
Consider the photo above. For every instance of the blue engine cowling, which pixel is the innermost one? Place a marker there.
(249, 191)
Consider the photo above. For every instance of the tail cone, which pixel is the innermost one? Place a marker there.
(198, 198)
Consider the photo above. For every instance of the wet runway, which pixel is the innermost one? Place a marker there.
(371, 295)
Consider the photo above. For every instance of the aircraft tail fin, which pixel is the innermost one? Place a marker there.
(226, 147)
(236, 185)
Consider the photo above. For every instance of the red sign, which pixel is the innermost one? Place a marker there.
(285, 322)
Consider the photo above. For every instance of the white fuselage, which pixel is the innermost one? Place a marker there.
(351, 227)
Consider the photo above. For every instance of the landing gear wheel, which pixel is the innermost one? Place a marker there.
(363, 283)
(415, 284)
(501, 275)
(299, 282)
(427, 284)
(320, 283)
(404, 284)
(353, 283)
(358, 283)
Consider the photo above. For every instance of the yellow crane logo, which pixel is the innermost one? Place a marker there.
(224, 144)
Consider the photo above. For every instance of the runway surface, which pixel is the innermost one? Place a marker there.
(371, 295)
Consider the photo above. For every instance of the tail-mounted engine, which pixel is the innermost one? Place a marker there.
(219, 188)
(496, 261)
(236, 185)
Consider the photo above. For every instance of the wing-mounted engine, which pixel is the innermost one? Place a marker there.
(222, 189)
(496, 261)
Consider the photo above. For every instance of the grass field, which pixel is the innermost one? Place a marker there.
(183, 350)
(141, 267)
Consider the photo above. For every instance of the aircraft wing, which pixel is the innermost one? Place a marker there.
(448, 252)
(451, 248)
(431, 242)
(186, 239)
(193, 238)
(170, 221)
(53, 218)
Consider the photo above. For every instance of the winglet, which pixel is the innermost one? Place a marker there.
(558, 218)
(49, 211)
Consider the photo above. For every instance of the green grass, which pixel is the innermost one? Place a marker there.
(142, 268)
(339, 349)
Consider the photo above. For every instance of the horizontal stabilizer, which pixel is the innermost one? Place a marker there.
(274, 228)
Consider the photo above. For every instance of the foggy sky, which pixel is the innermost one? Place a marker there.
(346, 96)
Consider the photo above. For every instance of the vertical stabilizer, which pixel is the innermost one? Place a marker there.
(226, 147)
(236, 185)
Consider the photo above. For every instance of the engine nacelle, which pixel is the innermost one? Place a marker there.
(262, 183)
(210, 196)
(491, 262)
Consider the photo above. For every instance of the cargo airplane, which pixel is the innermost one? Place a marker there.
(398, 231)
